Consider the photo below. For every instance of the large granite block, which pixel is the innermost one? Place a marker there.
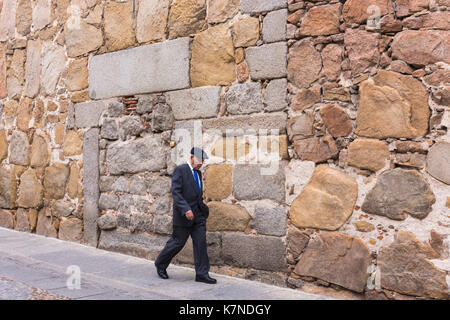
(153, 68)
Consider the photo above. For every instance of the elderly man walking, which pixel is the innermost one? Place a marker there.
(189, 218)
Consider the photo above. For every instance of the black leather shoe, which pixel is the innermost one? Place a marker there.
(162, 273)
(206, 279)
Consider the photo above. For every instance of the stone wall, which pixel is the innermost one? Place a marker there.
(326, 123)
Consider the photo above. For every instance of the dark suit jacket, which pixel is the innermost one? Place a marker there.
(186, 197)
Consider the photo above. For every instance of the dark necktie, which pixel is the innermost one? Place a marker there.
(197, 181)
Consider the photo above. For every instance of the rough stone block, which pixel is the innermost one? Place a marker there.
(227, 217)
(270, 220)
(326, 202)
(152, 68)
(8, 188)
(213, 61)
(71, 229)
(20, 149)
(296, 240)
(107, 221)
(163, 224)
(274, 26)
(161, 205)
(429, 46)
(249, 182)
(392, 105)
(244, 98)
(405, 267)
(438, 161)
(368, 154)
(267, 61)
(259, 252)
(275, 95)
(132, 156)
(388, 198)
(110, 129)
(6, 219)
(195, 103)
(218, 181)
(336, 258)
(55, 180)
(108, 201)
(141, 222)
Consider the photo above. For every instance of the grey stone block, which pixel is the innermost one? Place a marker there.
(163, 224)
(138, 185)
(144, 154)
(274, 26)
(90, 185)
(156, 67)
(268, 61)
(162, 118)
(110, 129)
(115, 108)
(159, 185)
(130, 126)
(270, 221)
(87, 114)
(259, 252)
(143, 205)
(161, 205)
(120, 184)
(257, 6)
(250, 184)
(275, 95)
(145, 104)
(141, 222)
(202, 102)
(140, 245)
(126, 201)
(123, 220)
(244, 98)
(107, 222)
(108, 201)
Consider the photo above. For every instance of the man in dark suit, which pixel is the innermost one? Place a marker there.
(189, 218)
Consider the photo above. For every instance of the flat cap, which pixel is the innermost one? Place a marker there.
(199, 153)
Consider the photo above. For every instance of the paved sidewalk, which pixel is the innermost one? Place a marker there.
(34, 267)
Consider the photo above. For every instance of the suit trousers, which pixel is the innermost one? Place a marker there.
(177, 241)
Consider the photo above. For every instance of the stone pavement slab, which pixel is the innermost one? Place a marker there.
(41, 263)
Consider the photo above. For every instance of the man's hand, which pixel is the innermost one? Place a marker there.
(190, 215)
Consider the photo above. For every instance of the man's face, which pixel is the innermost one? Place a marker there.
(195, 162)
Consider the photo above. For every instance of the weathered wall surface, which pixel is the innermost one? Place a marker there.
(327, 132)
